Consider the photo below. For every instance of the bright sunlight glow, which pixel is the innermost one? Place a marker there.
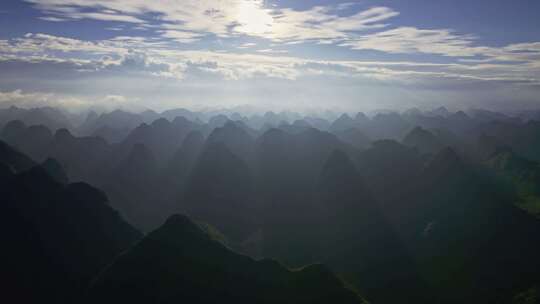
(253, 18)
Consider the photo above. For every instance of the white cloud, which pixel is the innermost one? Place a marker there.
(222, 18)
(181, 36)
(248, 40)
(116, 99)
(105, 17)
(41, 43)
(247, 45)
(445, 42)
(140, 55)
(272, 51)
(187, 21)
(414, 40)
(40, 99)
(52, 19)
(320, 23)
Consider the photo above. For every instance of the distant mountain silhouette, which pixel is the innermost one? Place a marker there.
(173, 113)
(162, 137)
(50, 117)
(441, 111)
(387, 126)
(181, 263)
(185, 157)
(236, 139)
(354, 137)
(489, 116)
(111, 135)
(318, 122)
(423, 140)
(83, 158)
(116, 120)
(133, 183)
(344, 122)
(220, 191)
(446, 166)
(33, 140)
(297, 127)
(390, 165)
(301, 156)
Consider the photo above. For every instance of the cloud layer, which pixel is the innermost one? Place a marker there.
(189, 44)
(189, 19)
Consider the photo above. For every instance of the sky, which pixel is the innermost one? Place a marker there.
(281, 55)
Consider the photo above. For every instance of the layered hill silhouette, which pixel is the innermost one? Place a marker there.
(421, 206)
(51, 117)
(423, 140)
(65, 234)
(58, 237)
(220, 191)
(521, 174)
(181, 263)
(467, 226)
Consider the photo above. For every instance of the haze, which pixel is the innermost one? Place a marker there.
(270, 152)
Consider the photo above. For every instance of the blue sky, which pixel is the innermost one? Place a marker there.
(343, 55)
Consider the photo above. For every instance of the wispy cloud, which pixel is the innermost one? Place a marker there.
(187, 21)
(158, 58)
(181, 36)
(39, 99)
(247, 45)
(445, 42)
(272, 51)
(223, 18)
(52, 19)
(414, 40)
(321, 23)
(213, 42)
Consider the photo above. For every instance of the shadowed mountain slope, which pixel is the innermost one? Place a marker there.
(181, 263)
(219, 191)
(57, 237)
(423, 140)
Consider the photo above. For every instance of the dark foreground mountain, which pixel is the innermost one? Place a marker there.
(521, 174)
(14, 160)
(56, 237)
(474, 245)
(181, 263)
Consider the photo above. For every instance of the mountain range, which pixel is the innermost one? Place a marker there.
(204, 207)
